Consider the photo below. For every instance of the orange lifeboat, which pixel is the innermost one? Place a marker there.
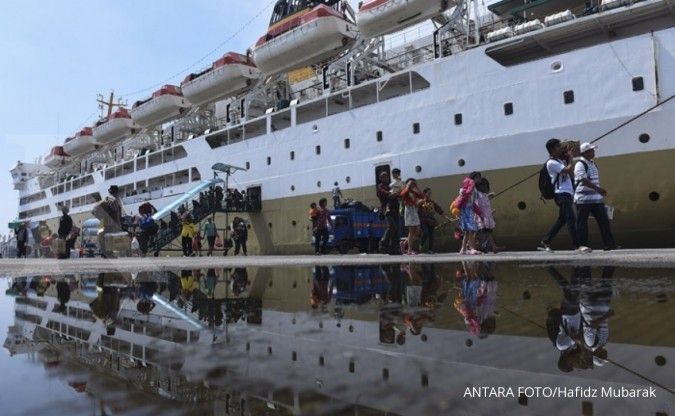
(230, 75)
(165, 104)
(56, 157)
(82, 143)
(381, 17)
(115, 128)
(301, 34)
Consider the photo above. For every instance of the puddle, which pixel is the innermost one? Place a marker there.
(395, 339)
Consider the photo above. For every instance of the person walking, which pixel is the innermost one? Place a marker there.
(427, 211)
(412, 197)
(468, 211)
(21, 240)
(188, 232)
(389, 207)
(337, 195)
(323, 220)
(65, 226)
(589, 198)
(560, 170)
(211, 233)
(239, 235)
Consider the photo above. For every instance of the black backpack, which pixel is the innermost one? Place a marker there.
(546, 188)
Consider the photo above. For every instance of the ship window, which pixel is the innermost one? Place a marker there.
(418, 168)
(508, 109)
(638, 84)
(379, 136)
(416, 128)
(269, 160)
(248, 165)
(568, 96)
(347, 143)
(292, 155)
(318, 150)
(458, 119)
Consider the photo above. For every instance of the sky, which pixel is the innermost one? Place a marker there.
(56, 56)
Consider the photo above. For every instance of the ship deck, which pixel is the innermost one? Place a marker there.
(661, 258)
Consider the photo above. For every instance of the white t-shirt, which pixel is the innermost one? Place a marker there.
(584, 194)
(555, 171)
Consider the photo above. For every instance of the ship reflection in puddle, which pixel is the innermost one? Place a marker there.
(472, 338)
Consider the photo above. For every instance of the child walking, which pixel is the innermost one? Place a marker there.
(466, 204)
(486, 223)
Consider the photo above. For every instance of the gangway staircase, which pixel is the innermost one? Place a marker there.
(199, 208)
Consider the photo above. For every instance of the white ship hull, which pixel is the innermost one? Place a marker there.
(634, 162)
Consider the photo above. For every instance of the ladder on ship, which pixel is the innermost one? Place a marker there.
(200, 207)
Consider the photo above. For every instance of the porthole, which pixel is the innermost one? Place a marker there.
(248, 226)
(348, 179)
(458, 119)
(468, 343)
(418, 168)
(556, 66)
(318, 184)
(294, 223)
(292, 155)
(352, 367)
(416, 128)
(385, 374)
(318, 150)
(638, 84)
(248, 165)
(294, 356)
(461, 162)
(424, 338)
(315, 128)
(269, 350)
(379, 136)
(269, 160)
(508, 109)
(424, 380)
(322, 361)
(660, 360)
(644, 138)
(292, 187)
(351, 328)
(269, 225)
(654, 196)
(522, 205)
(568, 97)
(347, 143)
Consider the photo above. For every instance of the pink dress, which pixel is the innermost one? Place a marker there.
(487, 221)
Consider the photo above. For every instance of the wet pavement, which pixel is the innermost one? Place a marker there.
(472, 338)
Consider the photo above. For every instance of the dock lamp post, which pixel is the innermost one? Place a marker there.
(227, 170)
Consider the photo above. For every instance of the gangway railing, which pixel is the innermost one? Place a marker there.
(199, 203)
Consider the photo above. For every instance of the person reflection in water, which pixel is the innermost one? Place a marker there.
(476, 298)
(322, 288)
(579, 329)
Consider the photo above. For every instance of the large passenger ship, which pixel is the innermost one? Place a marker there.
(437, 88)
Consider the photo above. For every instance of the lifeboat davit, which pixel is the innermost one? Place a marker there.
(380, 17)
(230, 75)
(82, 143)
(114, 128)
(56, 157)
(164, 104)
(303, 38)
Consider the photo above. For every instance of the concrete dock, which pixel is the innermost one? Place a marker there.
(658, 258)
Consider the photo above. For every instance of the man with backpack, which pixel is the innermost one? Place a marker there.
(559, 171)
(589, 198)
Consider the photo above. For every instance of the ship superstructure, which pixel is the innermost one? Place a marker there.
(476, 91)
